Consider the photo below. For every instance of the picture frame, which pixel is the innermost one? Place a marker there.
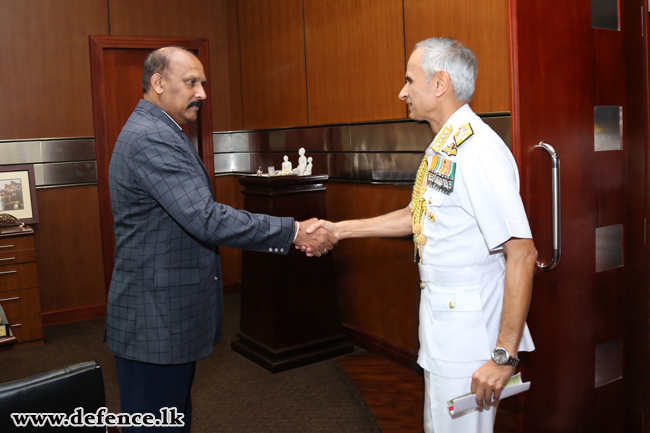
(18, 193)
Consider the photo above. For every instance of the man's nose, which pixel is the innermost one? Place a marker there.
(403, 93)
(201, 92)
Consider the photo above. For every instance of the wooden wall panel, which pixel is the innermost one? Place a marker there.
(45, 73)
(228, 191)
(355, 60)
(213, 20)
(480, 25)
(376, 278)
(68, 249)
(271, 37)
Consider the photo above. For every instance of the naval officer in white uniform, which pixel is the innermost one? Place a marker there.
(472, 240)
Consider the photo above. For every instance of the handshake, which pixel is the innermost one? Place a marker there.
(316, 237)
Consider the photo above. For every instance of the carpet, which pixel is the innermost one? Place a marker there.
(230, 393)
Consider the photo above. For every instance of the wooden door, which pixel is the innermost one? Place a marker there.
(589, 316)
(116, 70)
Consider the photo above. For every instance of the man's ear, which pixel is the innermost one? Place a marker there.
(157, 83)
(442, 83)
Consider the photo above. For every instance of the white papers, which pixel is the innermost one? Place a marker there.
(468, 401)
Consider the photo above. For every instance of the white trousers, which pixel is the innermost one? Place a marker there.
(437, 391)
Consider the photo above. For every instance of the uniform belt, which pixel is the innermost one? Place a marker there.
(459, 276)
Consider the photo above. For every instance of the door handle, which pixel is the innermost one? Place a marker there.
(556, 197)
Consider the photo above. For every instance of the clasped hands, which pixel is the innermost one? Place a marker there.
(316, 237)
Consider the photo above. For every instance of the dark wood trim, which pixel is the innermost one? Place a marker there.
(205, 148)
(80, 314)
(22, 345)
(232, 288)
(380, 346)
(98, 88)
(514, 83)
(646, 354)
(153, 43)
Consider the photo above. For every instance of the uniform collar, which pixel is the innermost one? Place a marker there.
(460, 117)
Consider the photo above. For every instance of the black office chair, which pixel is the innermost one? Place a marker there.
(57, 391)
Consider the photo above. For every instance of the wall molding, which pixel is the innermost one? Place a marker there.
(382, 347)
(71, 315)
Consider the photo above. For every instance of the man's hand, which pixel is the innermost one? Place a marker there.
(318, 225)
(316, 242)
(488, 379)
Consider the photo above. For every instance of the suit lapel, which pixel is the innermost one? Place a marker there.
(159, 114)
(198, 158)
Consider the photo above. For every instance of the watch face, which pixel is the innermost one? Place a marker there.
(500, 356)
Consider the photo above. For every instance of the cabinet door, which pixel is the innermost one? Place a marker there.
(23, 310)
(272, 47)
(483, 27)
(355, 60)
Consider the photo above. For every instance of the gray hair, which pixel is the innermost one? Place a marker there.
(446, 54)
(157, 62)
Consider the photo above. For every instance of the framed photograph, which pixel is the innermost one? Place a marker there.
(18, 192)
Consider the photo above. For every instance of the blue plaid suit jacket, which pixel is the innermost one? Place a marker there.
(165, 304)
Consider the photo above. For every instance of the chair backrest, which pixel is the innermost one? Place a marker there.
(57, 391)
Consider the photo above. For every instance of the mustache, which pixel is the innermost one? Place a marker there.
(198, 103)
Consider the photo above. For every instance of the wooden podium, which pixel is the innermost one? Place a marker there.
(289, 305)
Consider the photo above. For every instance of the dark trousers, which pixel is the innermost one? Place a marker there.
(146, 388)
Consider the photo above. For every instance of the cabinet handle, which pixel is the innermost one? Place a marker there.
(6, 246)
(10, 299)
(16, 325)
(8, 272)
(10, 258)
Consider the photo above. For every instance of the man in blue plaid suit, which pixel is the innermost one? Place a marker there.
(165, 305)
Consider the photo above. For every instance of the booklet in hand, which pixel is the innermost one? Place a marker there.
(468, 401)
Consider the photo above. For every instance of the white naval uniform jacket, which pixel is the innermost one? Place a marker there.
(463, 265)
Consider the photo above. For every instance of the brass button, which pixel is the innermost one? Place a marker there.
(452, 305)
(422, 286)
(430, 200)
(432, 217)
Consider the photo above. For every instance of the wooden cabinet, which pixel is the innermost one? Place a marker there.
(272, 51)
(355, 60)
(285, 324)
(19, 292)
(483, 27)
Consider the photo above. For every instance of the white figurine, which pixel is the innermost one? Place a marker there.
(286, 165)
(307, 171)
(302, 162)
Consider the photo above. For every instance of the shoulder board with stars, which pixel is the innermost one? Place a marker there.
(442, 138)
(463, 133)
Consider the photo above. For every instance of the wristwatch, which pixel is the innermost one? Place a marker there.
(502, 357)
